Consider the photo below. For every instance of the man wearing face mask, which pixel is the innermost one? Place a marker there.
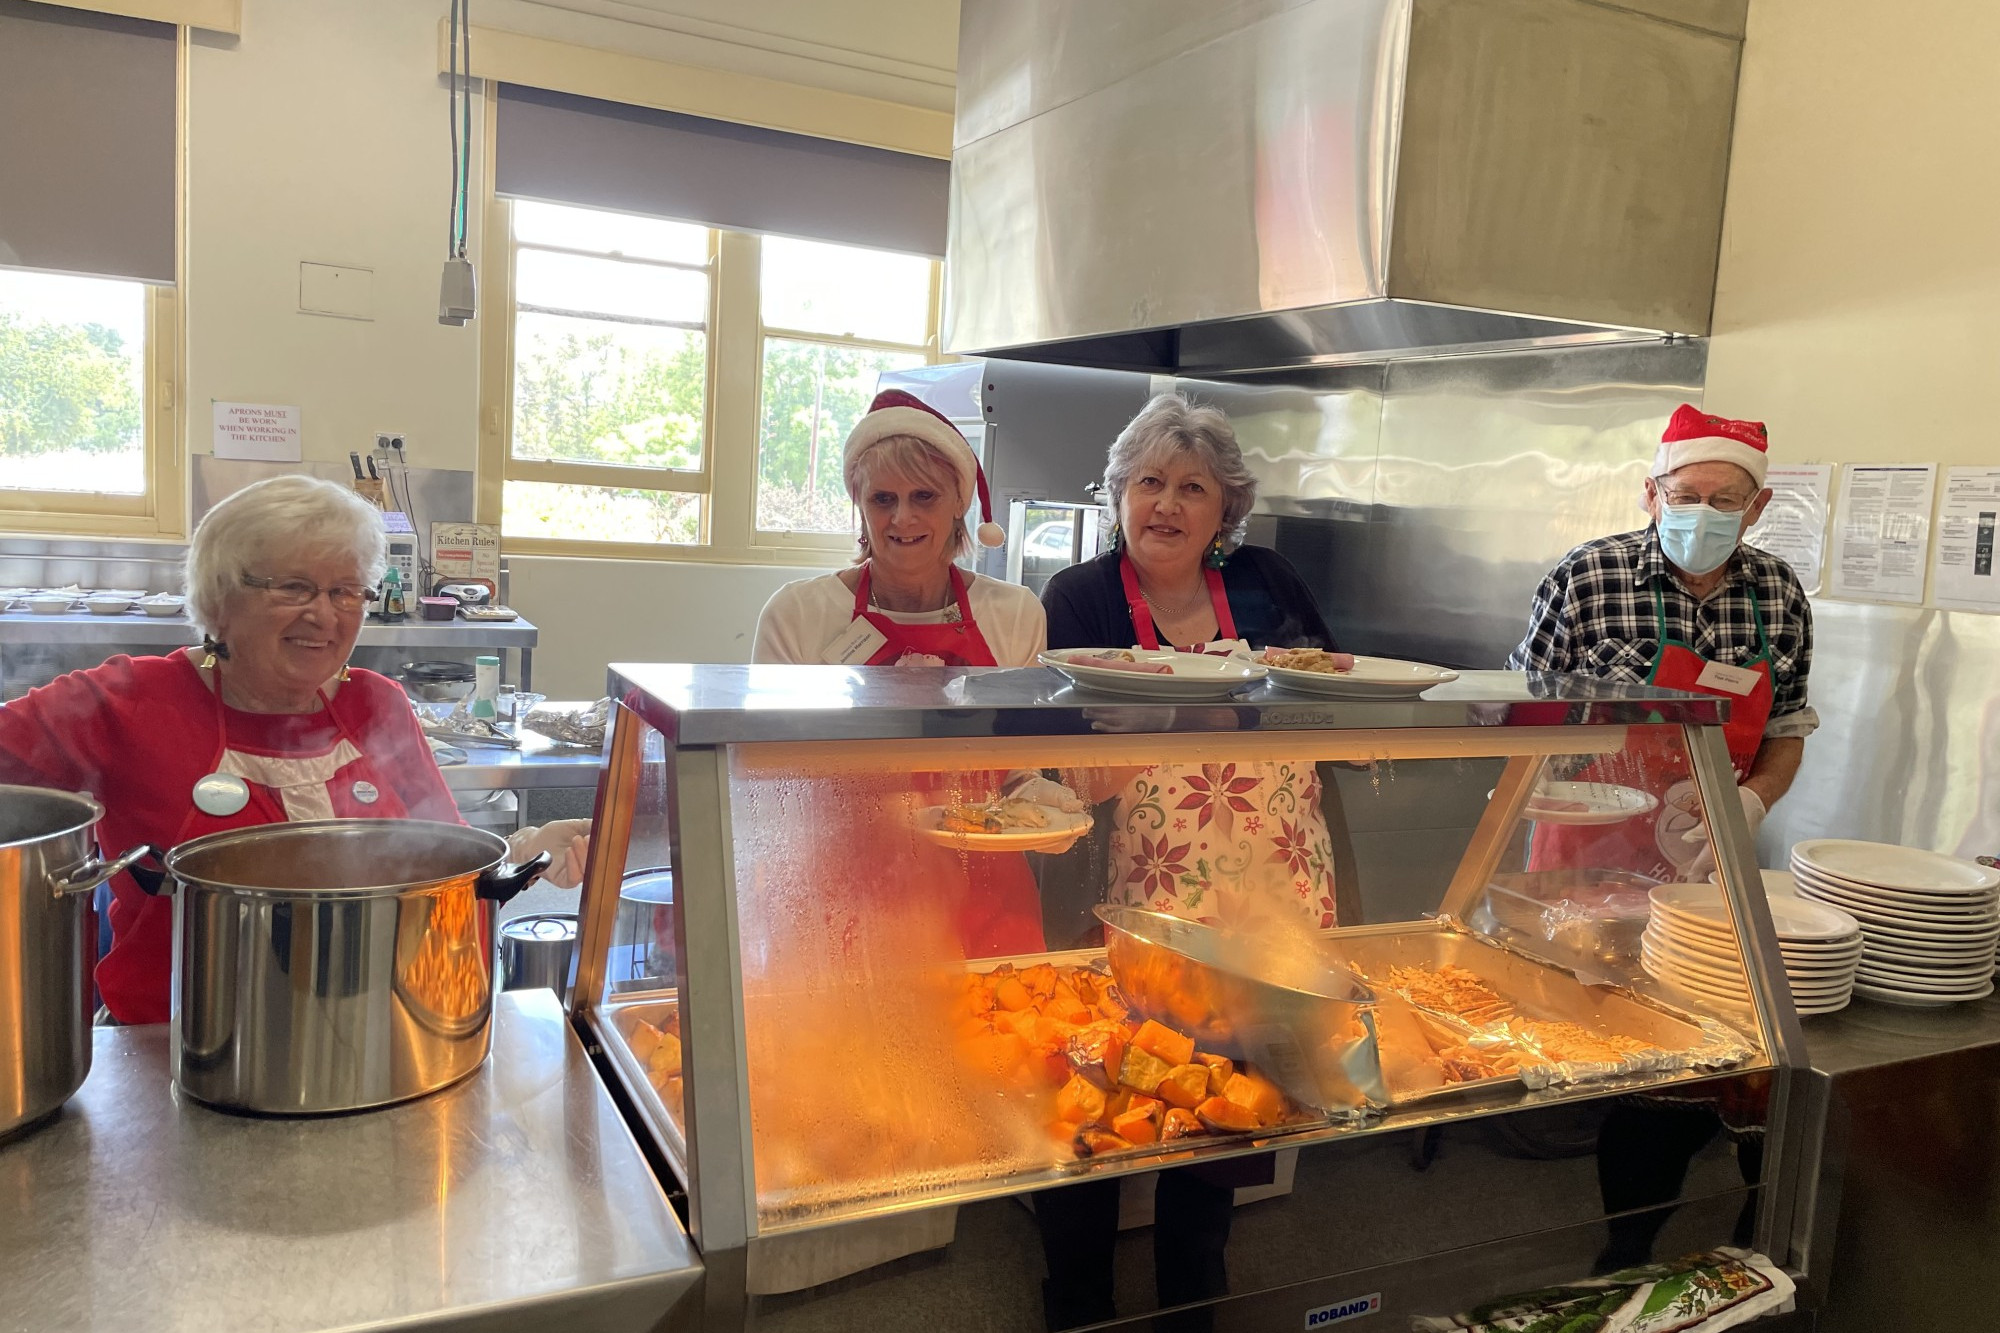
(1684, 605)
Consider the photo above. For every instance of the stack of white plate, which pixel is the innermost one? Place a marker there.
(1689, 944)
(1931, 922)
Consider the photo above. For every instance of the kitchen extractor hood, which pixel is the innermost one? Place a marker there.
(1217, 186)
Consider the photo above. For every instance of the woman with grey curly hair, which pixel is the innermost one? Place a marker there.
(262, 723)
(1177, 571)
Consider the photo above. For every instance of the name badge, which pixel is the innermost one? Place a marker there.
(366, 793)
(1735, 680)
(854, 645)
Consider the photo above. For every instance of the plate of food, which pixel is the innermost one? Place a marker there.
(1152, 674)
(1001, 825)
(1587, 803)
(1316, 671)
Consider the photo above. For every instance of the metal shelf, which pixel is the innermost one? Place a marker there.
(139, 630)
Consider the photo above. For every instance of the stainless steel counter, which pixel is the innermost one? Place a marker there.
(539, 764)
(516, 1200)
(144, 631)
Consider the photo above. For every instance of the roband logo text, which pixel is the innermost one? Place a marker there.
(1352, 1308)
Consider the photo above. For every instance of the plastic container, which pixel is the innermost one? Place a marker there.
(485, 687)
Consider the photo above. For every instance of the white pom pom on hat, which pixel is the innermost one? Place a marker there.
(895, 412)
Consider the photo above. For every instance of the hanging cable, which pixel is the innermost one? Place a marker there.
(451, 123)
(457, 299)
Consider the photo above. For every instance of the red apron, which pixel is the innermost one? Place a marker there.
(1142, 612)
(338, 783)
(1002, 910)
(1655, 761)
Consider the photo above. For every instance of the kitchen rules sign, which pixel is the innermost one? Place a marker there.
(466, 551)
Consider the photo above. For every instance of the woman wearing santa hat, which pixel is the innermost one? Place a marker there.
(1685, 605)
(906, 603)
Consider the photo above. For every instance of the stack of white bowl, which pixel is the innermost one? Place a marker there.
(1690, 945)
(1931, 922)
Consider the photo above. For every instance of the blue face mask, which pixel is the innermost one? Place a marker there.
(1696, 537)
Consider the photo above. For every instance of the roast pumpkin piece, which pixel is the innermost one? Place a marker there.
(1161, 1040)
(1092, 1142)
(1220, 1067)
(997, 1053)
(1068, 1006)
(1095, 1053)
(1178, 1123)
(1226, 1117)
(1184, 1086)
(666, 1056)
(1110, 1005)
(1142, 1071)
(1139, 1124)
(1080, 1101)
(1040, 980)
(642, 1040)
(1010, 994)
(1257, 1095)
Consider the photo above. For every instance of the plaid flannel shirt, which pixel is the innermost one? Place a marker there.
(1593, 616)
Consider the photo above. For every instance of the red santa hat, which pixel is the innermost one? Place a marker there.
(897, 413)
(1693, 436)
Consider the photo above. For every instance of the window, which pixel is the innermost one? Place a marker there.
(834, 317)
(72, 384)
(86, 444)
(625, 418)
(610, 378)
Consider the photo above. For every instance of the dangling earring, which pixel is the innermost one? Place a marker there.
(1216, 557)
(214, 648)
(343, 677)
(1114, 538)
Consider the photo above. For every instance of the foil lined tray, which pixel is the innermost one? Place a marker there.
(1677, 1040)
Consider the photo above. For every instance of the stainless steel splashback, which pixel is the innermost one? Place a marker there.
(1209, 186)
(1424, 500)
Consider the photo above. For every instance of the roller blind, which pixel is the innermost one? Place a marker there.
(576, 150)
(87, 120)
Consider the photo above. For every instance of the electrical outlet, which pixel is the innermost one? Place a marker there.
(388, 442)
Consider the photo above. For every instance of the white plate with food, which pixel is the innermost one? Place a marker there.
(1316, 671)
(1001, 826)
(1153, 674)
(1587, 803)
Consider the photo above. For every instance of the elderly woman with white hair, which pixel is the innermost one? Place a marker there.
(264, 722)
(1221, 843)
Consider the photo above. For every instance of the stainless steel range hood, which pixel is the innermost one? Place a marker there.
(1215, 186)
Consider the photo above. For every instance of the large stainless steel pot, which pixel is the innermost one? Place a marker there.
(336, 964)
(48, 946)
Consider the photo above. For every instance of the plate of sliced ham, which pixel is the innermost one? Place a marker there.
(1347, 676)
(1151, 674)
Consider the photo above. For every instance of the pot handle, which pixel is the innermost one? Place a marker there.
(504, 881)
(86, 877)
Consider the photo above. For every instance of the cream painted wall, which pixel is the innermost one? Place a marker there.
(592, 612)
(320, 135)
(1858, 303)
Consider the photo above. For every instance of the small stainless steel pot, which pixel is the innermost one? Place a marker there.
(336, 964)
(48, 943)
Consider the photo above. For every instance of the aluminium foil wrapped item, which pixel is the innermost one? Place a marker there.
(572, 726)
(1701, 1293)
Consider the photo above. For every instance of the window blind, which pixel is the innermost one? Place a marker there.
(564, 149)
(87, 124)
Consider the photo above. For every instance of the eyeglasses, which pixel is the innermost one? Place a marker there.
(1727, 504)
(304, 592)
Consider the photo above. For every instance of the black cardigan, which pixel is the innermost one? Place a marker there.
(1271, 604)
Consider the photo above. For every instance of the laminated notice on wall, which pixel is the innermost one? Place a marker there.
(267, 432)
(1793, 527)
(1964, 574)
(1881, 532)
